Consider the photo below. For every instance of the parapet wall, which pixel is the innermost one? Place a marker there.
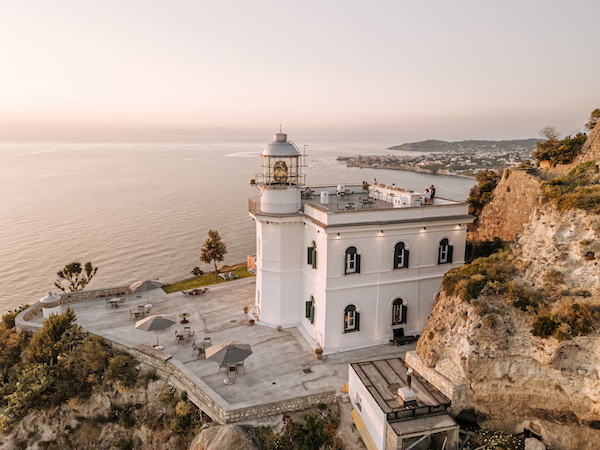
(212, 403)
(23, 319)
(515, 198)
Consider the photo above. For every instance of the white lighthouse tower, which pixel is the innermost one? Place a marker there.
(279, 234)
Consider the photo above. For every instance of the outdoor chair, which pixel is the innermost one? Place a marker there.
(240, 365)
(207, 342)
(199, 349)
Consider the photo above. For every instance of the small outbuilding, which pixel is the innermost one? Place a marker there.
(395, 408)
(51, 304)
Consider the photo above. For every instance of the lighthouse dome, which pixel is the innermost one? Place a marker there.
(280, 147)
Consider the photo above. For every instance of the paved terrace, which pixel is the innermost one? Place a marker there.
(282, 367)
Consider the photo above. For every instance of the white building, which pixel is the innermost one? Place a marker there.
(395, 408)
(350, 268)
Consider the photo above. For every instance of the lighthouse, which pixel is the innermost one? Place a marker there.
(279, 234)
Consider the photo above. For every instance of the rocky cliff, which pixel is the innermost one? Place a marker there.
(481, 348)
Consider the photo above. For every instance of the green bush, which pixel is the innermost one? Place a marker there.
(8, 318)
(479, 249)
(578, 319)
(525, 299)
(122, 369)
(576, 190)
(482, 193)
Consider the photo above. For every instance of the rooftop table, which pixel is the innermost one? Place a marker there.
(397, 197)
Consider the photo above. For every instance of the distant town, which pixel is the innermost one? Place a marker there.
(464, 158)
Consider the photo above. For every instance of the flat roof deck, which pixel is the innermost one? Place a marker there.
(383, 378)
(282, 365)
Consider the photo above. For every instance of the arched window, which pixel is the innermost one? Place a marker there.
(400, 256)
(351, 319)
(352, 261)
(311, 255)
(445, 252)
(310, 310)
(399, 310)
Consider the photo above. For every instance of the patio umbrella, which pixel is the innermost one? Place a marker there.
(147, 285)
(231, 352)
(157, 322)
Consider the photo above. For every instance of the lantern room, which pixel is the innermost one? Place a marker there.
(281, 163)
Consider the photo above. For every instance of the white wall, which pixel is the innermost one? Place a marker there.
(370, 412)
(279, 277)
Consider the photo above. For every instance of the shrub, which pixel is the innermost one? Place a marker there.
(168, 395)
(478, 249)
(122, 369)
(525, 299)
(576, 190)
(8, 318)
(575, 319)
(481, 194)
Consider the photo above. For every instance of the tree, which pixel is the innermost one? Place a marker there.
(558, 151)
(481, 194)
(73, 274)
(594, 118)
(213, 251)
(197, 271)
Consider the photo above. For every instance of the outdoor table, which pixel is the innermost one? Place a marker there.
(184, 317)
(115, 302)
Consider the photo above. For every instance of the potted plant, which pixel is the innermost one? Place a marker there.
(251, 321)
(392, 342)
(245, 310)
(319, 352)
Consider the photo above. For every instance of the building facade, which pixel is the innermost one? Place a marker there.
(350, 266)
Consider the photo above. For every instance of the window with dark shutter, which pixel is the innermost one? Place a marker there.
(445, 252)
(399, 312)
(351, 319)
(352, 261)
(310, 310)
(400, 256)
(311, 255)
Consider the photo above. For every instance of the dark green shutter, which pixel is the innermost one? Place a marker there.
(308, 304)
(357, 263)
(404, 312)
(440, 254)
(357, 320)
(314, 258)
(312, 313)
(406, 259)
(450, 247)
(309, 255)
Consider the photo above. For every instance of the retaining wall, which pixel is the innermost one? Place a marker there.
(22, 321)
(184, 379)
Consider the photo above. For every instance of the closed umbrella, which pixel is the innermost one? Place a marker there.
(157, 322)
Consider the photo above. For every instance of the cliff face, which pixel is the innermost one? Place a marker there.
(513, 379)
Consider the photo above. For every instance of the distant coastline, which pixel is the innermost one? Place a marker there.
(350, 162)
(458, 159)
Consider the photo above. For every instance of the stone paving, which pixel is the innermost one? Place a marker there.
(282, 365)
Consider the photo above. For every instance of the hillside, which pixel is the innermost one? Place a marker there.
(514, 338)
(432, 145)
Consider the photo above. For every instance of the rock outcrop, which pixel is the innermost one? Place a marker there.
(223, 437)
(499, 371)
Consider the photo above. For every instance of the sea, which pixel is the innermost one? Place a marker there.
(143, 211)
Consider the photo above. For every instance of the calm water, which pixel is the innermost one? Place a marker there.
(141, 211)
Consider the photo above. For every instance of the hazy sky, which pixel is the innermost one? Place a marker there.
(340, 69)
